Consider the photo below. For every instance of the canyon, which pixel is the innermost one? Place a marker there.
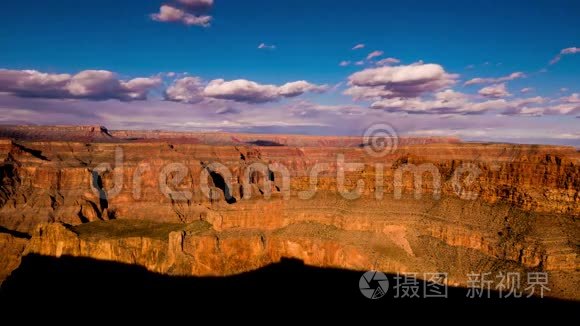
(219, 204)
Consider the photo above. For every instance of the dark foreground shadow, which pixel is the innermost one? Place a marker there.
(42, 281)
(261, 142)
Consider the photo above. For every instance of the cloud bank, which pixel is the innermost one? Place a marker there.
(193, 90)
(87, 84)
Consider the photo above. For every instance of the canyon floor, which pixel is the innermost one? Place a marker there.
(222, 206)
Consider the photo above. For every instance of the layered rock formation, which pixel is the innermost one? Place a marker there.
(219, 204)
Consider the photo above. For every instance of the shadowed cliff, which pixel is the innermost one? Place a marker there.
(46, 281)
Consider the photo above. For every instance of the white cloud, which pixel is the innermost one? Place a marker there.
(300, 87)
(575, 135)
(563, 52)
(450, 95)
(401, 81)
(186, 90)
(139, 87)
(241, 90)
(563, 108)
(512, 76)
(374, 54)
(196, 4)
(526, 90)
(574, 98)
(193, 90)
(368, 93)
(387, 61)
(33, 83)
(168, 13)
(525, 106)
(264, 46)
(528, 101)
(494, 91)
(452, 102)
(358, 46)
(344, 63)
(88, 84)
(570, 51)
(444, 102)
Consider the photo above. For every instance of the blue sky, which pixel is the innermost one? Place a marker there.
(219, 44)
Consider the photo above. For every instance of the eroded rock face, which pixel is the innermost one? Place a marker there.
(11, 249)
(494, 206)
